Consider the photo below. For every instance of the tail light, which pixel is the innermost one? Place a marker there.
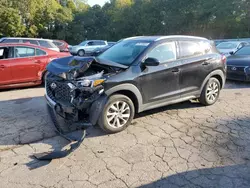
(224, 59)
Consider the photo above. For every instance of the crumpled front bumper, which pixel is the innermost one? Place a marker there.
(83, 113)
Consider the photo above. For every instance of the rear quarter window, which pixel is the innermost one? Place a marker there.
(40, 52)
(57, 43)
(46, 44)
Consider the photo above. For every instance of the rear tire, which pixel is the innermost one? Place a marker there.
(210, 92)
(81, 53)
(117, 114)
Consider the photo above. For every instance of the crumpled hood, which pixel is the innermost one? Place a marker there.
(77, 64)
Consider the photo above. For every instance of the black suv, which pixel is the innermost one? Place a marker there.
(136, 74)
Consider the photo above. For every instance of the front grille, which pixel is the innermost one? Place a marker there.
(239, 69)
(61, 93)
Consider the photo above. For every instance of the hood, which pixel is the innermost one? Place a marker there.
(240, 60)
(75, 65)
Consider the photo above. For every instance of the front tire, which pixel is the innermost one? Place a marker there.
(117, 114)
(210, 92)
(81, 53)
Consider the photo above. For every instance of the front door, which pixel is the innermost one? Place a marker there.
(24, 65)
(5, 67)
(161, 83)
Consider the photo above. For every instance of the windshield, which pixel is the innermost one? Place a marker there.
(227, 45)
(83, 43)
(243, 51)
(125, 52)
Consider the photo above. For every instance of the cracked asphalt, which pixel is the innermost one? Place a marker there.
(184, 145)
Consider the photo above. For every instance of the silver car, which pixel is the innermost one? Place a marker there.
(87, 47)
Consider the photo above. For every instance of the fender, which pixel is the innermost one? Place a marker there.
(127, 87)
(214, 73)
(96, 109)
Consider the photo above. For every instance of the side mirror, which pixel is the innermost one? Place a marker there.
(151, 62)
(231, 53)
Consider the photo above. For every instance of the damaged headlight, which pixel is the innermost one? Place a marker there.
(90, 83)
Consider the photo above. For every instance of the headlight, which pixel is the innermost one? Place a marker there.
(85, 83)
(247, 70)
(90, 83)
(63, 75)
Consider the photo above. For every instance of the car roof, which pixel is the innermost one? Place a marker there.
(158, 38)
(23, 44)
(25, 38)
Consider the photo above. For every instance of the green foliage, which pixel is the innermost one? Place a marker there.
(75, 21)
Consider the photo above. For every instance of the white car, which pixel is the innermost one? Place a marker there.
(46, 43)
(87, 47)
(228, 48)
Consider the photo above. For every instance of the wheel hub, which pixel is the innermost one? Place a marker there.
(118, 114)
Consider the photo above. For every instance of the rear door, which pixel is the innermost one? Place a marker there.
(5, 66)
(24, 65)
(196, 64)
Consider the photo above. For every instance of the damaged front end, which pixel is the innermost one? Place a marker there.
(75, 88)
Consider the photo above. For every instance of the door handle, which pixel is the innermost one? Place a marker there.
(205, 63)
(36, 61)
(176, 70)
(2, 66)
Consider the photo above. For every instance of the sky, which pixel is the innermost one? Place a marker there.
(93, 2)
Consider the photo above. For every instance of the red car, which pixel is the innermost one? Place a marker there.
(62, 45)
(24, 64)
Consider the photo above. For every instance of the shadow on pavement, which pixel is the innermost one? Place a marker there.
(218, 177)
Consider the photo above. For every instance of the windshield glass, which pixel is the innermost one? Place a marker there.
(83, 43)
(243, 51)
(125, 52)
(227, 45)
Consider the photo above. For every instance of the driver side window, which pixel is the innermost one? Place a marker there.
(164, 52)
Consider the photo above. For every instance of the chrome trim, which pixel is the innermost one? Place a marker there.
(180, 36)
(50, 102)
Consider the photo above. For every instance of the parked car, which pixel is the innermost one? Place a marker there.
(24, 64)
(230, 47)
(238, 65)
(46, 43)
(87, 47)
(100, 50)
(135, 75)
(62, 45)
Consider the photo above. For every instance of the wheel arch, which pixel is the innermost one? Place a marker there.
(129, 90)
(218, 74)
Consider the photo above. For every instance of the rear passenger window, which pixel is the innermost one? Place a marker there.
(45, 44)
(31, 42)
(40, 52)
(24, 52)
(190, 49)
(164, 52)
(99, 43)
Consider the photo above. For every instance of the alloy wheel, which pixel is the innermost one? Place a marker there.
(118, 114)
(212, 91)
